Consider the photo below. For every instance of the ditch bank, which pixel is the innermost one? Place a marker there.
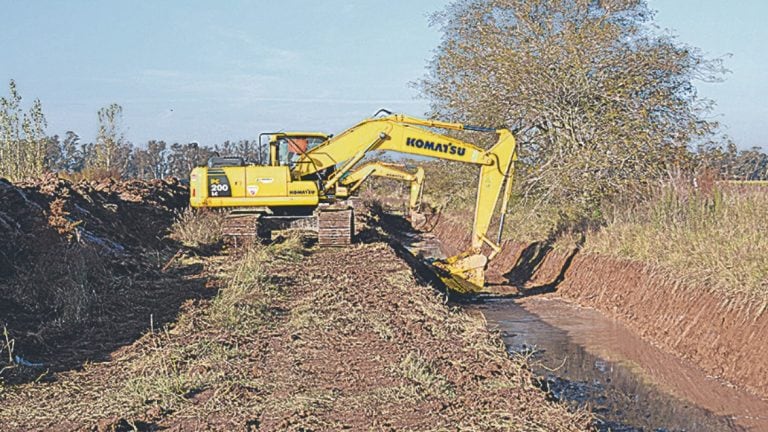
(690, 321)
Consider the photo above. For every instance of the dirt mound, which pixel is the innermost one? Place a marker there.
(336, 339)
(76, 263)
(111, 215)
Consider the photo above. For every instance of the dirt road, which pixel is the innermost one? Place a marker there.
(300, 339)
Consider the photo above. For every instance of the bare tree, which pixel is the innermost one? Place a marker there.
(112, 153)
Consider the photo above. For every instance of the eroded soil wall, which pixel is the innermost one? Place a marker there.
(689, 321)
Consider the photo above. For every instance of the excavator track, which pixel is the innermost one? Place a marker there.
(335, 227)
(245, 227)
(241, 225)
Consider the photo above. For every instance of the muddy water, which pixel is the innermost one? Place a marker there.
(589, 360)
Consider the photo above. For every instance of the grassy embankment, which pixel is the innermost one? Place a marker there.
(714, 236)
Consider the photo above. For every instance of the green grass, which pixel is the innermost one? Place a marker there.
(717, 238)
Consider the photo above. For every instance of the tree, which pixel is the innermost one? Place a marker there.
(600, 103)
(729, 163)
(10, 115)
(184, 157)
(35, 141)
(24, 147)
(247, 149)
(151, 163)
(72, 154)
(111, 151)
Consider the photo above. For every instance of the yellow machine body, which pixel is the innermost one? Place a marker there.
(359, 175)
(249, 186)
(319, 164)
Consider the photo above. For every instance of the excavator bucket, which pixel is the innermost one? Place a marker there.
(464, 273)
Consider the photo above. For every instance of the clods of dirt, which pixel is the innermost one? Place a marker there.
(296, 339)
(81, 269)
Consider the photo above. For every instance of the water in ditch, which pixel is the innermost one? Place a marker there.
(589, 360)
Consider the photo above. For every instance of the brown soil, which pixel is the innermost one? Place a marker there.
(273, 338)
(81, 270)
(351, 342)
(690, 321)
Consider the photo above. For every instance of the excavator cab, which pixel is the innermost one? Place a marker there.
(285, 148)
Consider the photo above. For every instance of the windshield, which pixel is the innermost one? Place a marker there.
(291, 148)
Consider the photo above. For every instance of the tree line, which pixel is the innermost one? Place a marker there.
(26, 151)
(583, 143)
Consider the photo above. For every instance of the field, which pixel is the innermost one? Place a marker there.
(125, 310)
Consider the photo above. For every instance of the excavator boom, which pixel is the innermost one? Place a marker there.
(409, 135)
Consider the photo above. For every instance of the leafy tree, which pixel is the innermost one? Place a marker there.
(184, 157)
(10, 115)
(729, 163)
(247, 149)
(151, 163)
(601, 103)
(35, 142)
(72, 153)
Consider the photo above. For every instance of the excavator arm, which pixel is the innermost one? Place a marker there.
(355, 178)
(409, 135)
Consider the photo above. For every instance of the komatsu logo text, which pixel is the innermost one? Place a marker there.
(437, 147)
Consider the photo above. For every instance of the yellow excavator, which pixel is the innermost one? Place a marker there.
(300, 184)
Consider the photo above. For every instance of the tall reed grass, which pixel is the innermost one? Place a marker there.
(715, 235)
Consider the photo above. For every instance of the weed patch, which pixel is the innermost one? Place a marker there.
(716, 238)
(198, 228)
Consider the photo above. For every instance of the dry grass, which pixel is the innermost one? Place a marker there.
(316, 344)
(198, 228)
(422, 371)
(245, 303)
(714, 236)
(716, 239)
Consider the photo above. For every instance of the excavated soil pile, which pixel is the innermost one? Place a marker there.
(690, 321)
(335, 339)
(80, 268)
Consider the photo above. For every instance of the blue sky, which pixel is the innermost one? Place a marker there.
(209, 71)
